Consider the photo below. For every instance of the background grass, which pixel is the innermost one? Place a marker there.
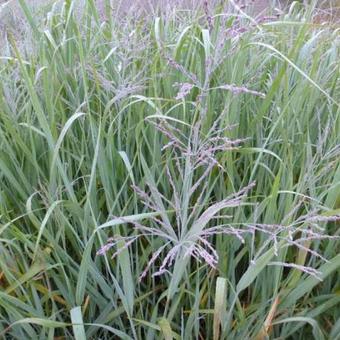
(74, 139)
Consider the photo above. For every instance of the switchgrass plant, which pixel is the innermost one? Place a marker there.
(175, 176)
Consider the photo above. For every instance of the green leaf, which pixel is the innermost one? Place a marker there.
(316, 329)
(254, 270)
(77, 323)
(34, 270)
(220, 305)
(83, 272)
(165, 328)
(125, 268)
(306, 286)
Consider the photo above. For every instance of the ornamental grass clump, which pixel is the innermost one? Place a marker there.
(169, 175)
(183, 221)
(186, 224)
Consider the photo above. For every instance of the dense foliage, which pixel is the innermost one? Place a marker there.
(173, 176)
